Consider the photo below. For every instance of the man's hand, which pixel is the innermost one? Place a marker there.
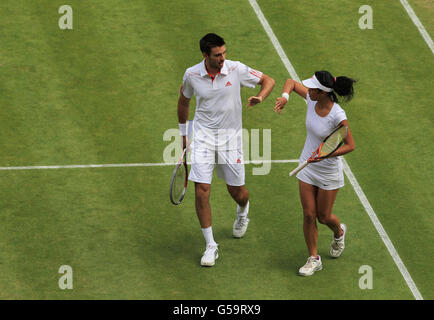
(267, 84)
(254, 100)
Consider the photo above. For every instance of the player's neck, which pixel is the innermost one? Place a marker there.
(211, 71)
(325, 103)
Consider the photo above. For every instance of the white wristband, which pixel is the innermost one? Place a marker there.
(183, 129)
(285, 95)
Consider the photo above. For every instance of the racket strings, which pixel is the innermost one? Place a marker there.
(178, 183)
(333, 142)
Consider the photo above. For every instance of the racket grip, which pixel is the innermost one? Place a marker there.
(296, 170)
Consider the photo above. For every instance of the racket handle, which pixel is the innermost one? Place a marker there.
(296, 170)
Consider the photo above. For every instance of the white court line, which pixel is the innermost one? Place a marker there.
(382, 232)
(418, 24)
(347, 169)
(125, 165)
(84, 166)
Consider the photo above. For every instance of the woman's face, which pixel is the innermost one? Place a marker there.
(314, 94)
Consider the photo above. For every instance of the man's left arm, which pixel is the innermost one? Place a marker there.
(267, 85)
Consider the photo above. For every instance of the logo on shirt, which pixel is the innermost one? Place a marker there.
(228, 84)
(239, 161)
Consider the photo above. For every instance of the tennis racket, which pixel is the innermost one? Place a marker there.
(327, 147)
(179, 180)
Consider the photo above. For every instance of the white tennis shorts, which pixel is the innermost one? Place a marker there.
(230, 165)
(325, 180)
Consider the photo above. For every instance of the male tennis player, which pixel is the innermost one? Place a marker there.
(216, 83)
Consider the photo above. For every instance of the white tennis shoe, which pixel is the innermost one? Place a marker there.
(210, 256)
(313, 264)
(338, 245)
(240, 227)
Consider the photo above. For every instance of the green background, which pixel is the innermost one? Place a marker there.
(106, 92)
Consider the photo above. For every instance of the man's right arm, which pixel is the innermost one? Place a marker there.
(183, 104)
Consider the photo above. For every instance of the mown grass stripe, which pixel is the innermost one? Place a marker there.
(368, 208)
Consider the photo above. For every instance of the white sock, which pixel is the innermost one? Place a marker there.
(243, 211)
(209, 238)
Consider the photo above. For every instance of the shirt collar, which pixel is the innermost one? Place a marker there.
(203, 72)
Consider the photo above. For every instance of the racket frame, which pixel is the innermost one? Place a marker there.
(182, 162)
(318, 150)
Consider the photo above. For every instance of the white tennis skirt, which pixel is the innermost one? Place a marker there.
(326, 180)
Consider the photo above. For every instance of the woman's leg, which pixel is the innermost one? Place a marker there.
(324, 205)
(308, 194)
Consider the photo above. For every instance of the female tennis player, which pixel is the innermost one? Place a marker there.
(320, 180)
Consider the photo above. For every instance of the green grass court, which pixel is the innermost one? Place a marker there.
(105, 93)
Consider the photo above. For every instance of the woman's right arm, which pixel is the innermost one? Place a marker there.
(290, 85)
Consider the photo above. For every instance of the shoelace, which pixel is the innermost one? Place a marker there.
(337, 244)
(241, 223)
(310, 262)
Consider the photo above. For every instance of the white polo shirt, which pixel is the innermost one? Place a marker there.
(218, 116)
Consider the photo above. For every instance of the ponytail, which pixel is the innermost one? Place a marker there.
(343, 86)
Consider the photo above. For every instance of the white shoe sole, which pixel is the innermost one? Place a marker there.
(335, 255)
(209, 264)
(310, 273)
(238, 236)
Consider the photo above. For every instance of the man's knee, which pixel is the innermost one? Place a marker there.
(239, 194)
(202, 190)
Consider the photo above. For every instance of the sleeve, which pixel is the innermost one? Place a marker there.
(248, 77)
(187, 88)
(340, 116)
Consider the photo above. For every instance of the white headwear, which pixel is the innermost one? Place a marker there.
(313, 83)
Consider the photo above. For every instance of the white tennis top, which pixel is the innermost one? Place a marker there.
(318, 128)
(218, 116)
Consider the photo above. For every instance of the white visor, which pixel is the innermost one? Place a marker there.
(313, 83)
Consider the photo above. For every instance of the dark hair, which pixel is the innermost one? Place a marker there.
(343, 86)
(210, 41)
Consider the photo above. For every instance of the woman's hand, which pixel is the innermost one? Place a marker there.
(314, 157)
(280, 104)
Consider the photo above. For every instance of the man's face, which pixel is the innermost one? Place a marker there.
(216, 57)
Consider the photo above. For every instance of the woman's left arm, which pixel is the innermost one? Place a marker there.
(348, 142)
